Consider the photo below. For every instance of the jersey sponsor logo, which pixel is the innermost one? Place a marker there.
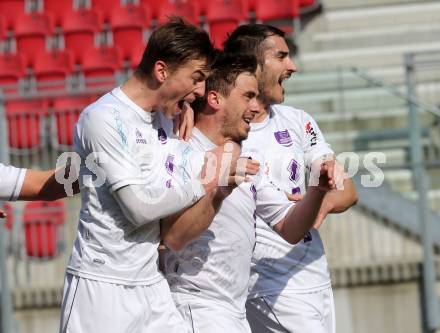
(139, 138)
(293, 169)
(311, 131)
(169, 164)
(162, 135)
(283, 138)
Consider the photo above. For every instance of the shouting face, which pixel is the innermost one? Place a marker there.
(277, 67)
(182, 85)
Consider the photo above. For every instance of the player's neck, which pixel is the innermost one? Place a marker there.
(211, 129)
(140, 93)
(262, 114)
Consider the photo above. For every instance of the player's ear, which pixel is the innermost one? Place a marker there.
(160, 71)
(214, 99)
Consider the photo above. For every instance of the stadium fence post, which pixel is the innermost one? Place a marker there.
(6, 308)
(420, 179)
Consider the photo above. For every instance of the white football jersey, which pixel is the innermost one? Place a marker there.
(289, 140)
(120, 144)
(216, 265)
(11, 181)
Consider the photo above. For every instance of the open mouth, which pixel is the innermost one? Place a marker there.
(282, 79)
(248, 119)
(182, 105)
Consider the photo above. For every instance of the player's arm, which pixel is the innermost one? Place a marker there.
(301, 216)
(28, 184)
(179, 229)
(337, 201)
(42, 185)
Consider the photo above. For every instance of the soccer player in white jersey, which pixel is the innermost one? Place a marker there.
(290, 289)
(211, 244)
(123, 139)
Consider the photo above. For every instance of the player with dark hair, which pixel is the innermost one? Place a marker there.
(128, 151)
(290, 289)
(210, 244)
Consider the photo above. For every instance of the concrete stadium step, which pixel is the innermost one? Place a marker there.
(433, 198)
(333, 80)
(344, 4)
(374, 37)
(356, 238)
(393, 156)
(349, 140)
(382, 15)
(359, 99)
(362, 57)
(392, 118)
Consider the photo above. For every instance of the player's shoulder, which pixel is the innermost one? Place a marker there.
(287, 114)
(101, 112)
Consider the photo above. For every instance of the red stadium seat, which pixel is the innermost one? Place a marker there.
(41, 221)
(10, 10)
(79, 29)
(106, 7)
(24, 123)
(51, 70)
(276, 10)
(11, 70)
(99, 66)
(223, 16)
(2, 27)
(66, 113)
(188, 9)
(31, 31)
(138, 51)
(128, 24)
(58, 9)
(307, 3)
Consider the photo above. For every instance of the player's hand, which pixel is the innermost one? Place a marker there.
(294, 197)
(327, 176)
(2, 214)
(224, 168)
(184, 123)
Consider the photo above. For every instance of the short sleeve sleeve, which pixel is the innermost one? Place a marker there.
(11, 182)
(314, 144)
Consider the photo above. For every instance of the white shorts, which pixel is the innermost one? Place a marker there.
(209, 317)
(91, 306)
(312, 312)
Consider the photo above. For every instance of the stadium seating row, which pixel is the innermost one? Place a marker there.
(79, 25)
(42, 224)
(25, 121)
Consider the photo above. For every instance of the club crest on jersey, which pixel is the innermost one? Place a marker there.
(139, 138)
(283, 138)
(168, 183)
(169, 164)
(313, 136)
(162, 135)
